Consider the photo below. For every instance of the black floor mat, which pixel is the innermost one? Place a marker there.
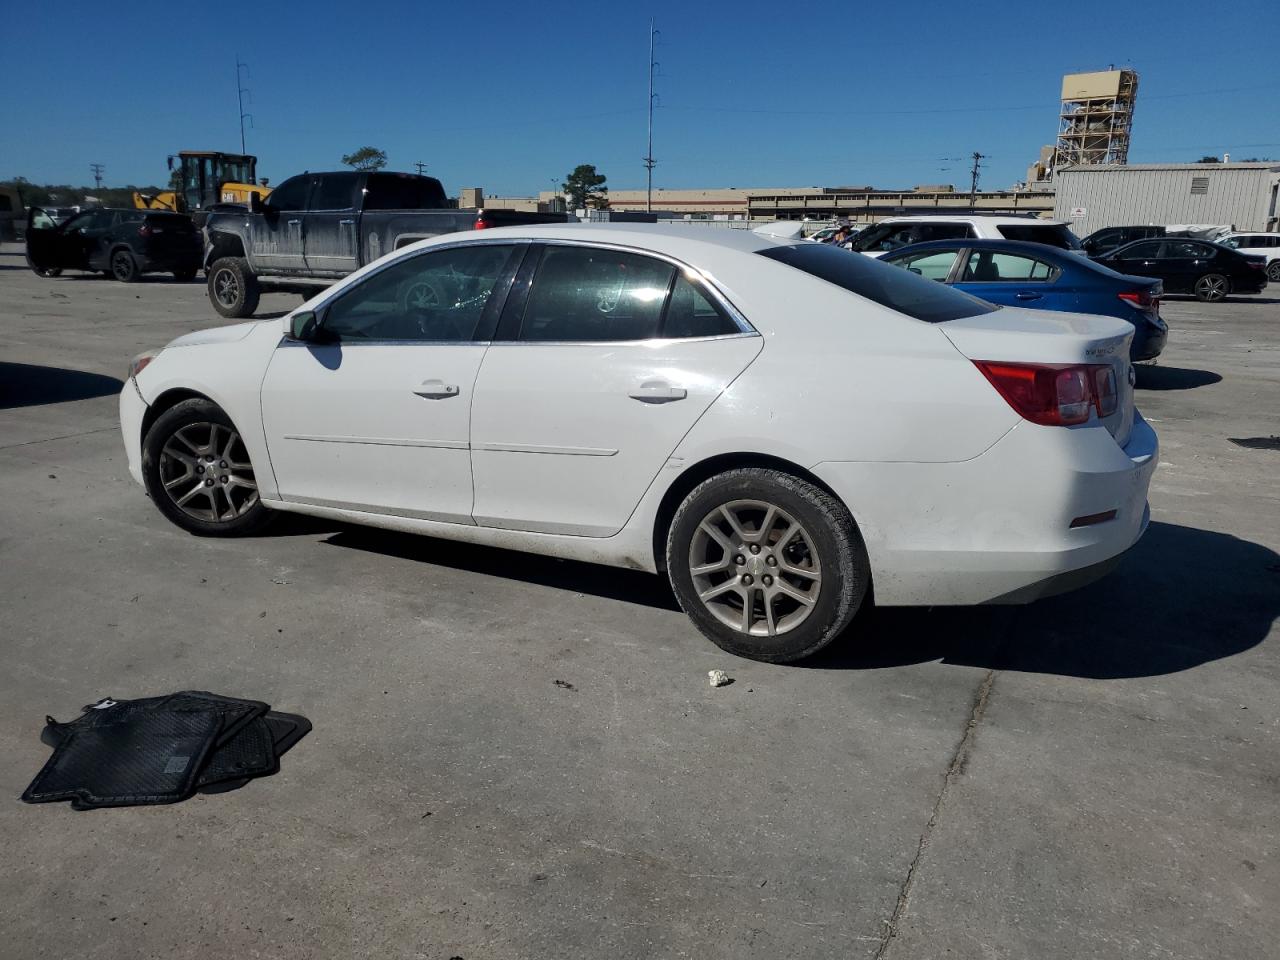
(162, 749)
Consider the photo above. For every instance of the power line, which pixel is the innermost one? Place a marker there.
(97, 169)
(421, 166)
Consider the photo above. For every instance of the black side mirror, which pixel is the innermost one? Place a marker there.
(303, 326)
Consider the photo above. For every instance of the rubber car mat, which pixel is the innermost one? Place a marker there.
(146, 757)
(235, 713)
(250, 753)
(284, 729)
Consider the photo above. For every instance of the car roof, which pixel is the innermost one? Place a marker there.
(649, 235)
(1250, 233)
(976, 218)
(1056, 255)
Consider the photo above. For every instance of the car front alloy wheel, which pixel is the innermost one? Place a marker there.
(198, 472)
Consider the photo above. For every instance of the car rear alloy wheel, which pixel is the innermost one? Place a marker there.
(1273, 271)
(767, 565)
(198, 471)
(755, 568)
(123, 267)
(1212, 287)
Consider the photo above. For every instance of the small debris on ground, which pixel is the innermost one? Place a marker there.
(718, 678)
(565, 684)
(281, 581)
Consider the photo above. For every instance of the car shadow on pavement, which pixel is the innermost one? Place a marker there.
(1182, 597)
(29, 385)
(1173, 378)
(630, 586)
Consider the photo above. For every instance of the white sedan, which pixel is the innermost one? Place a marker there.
(779, 427)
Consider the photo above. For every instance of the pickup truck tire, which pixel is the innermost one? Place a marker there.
(233, 288)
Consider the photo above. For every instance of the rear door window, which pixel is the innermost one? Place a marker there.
(1142, 251)
(691, 314)
(587, 294)
(883, 283)
(988, 266)
(333, 191)
(1051, 234)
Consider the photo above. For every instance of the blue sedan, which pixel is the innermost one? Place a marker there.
(1043, 278)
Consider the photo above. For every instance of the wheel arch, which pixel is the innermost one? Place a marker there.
(223, 244)
(708, 468)
(166, 401)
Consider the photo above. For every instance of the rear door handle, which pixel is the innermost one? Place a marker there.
(437, 390)
(1028, 295)
(658, 391)
(345, 223)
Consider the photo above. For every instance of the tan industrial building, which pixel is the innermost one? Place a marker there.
(1241, 195)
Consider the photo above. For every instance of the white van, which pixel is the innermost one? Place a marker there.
(1259, 244)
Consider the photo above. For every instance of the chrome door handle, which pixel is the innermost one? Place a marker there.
(1027, 295)
(345, 223)
(437, 390)
(658, 391)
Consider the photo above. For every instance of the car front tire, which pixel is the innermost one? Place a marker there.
(197, 470)
(233, 288)
(767, 565)
(123, 267)
(1212, 288)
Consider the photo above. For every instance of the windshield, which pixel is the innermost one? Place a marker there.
(887, 285)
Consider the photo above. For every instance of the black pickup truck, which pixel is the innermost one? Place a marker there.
(316, 228)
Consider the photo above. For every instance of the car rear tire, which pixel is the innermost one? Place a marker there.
(198, 472)
(768, 566)
(233, 289)
(49, 272)
(1212, 288)
(185, 276)
(1273, 271)
(123, 267)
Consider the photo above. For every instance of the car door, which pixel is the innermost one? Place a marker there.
(1013, 279)
(374, 413)
(43, 240)
(596, 375)
(80, 239)
(276, 232)
(1186, 261)
(329, 227)
(1141, 259)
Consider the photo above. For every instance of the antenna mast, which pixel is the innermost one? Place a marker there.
(649, 162)
(241, 90)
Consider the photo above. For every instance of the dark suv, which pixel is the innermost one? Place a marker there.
(120, 243)
(1101, 242)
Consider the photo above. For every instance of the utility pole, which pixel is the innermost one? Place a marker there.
(97, 169)
(241, 90)
(421, 166)
(973, 183)
(649, 162)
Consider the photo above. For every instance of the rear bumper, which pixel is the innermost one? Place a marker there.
(1148, 341)
(132, 411)
(997, 529)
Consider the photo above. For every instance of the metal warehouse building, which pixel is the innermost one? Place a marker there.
(1242, 195)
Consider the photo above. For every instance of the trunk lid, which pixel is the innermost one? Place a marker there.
(1016, 335)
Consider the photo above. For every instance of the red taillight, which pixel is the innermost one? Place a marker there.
(481, 222)
(1136, 298)
(1052, 394)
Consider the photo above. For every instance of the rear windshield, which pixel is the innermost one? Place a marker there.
(1053, 234)
(403, 191)
(884, 283)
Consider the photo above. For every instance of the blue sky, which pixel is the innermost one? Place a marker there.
(511, 96)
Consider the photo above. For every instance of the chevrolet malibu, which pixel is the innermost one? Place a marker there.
(782, 429)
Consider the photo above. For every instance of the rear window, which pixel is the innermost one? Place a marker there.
(884, 283)
(402, 191)
(1052, 234)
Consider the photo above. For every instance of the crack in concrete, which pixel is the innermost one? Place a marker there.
(69, 436)
(955, 770)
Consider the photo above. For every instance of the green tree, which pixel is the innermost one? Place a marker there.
(1207, 159)
(586, 188)
(366, 158)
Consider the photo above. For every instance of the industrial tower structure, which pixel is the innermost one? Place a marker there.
(1097, 115)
